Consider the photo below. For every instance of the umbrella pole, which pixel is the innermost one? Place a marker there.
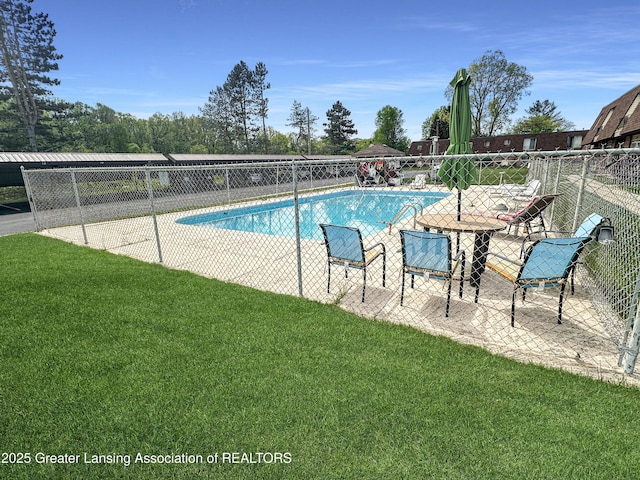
(459, 214)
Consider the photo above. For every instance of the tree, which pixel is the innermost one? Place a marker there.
(543, 117)
(217, 112)
(259, 86)
(303, 121)
(278, 142)
(339, 129)
(236, 107)
(437, 125)
(27, 54)
(537, 124)
(495, 89)
(239, 86)
(389, 129)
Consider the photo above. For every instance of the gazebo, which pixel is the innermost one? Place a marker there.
(379, 150)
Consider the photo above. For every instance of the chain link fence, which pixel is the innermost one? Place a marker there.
(258, 225)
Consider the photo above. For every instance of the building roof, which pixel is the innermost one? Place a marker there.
(547, 141)
(70, 157)
(378, 150)
(187, 158)
(617, 120)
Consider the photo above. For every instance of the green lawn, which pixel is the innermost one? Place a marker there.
(110, 356)
(491, 175)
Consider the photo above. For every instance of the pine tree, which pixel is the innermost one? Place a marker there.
(339, 129)
(27, 55)
(236, 108)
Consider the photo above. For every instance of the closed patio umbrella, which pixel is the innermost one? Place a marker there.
(459, 172)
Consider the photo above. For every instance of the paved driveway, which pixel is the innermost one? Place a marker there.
(16, 218)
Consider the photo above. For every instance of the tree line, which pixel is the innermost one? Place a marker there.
(234, 118)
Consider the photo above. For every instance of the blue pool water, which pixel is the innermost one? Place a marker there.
(364, 209)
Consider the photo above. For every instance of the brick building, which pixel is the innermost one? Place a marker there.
(618, 124)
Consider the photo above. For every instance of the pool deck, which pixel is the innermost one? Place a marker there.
(579, 345)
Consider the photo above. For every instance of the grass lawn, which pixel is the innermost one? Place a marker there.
(105, 355)
(491, 175)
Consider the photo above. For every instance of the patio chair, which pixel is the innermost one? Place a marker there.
(419, 182)
(547, 263)
(345, 247)
(525, 216)
(429, 255)
(589, 227)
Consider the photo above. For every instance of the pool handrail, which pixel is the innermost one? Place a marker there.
(402, 211)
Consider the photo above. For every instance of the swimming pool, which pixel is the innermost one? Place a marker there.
(364, 209)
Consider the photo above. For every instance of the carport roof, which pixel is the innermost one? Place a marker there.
(48, 157)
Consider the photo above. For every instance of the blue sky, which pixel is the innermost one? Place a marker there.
(165, 56)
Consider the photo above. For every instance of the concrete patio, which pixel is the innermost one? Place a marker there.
(579, 345)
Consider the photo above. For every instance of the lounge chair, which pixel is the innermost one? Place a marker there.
(525, 216)
(345, 248)
(419, 182)
(515, 193)
(547, 263)
(429, 255)
(511, 190)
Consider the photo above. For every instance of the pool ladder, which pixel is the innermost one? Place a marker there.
(415, 206)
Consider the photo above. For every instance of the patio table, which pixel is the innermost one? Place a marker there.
(482, 227)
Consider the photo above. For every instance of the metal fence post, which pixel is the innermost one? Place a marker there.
(583, 181)
(296, 209)
(32, 204)
(629, 346)
(546, 166)
(147, 175)
(77, 195)
(556, 186)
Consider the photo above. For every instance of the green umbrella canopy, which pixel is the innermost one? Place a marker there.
(459, 172)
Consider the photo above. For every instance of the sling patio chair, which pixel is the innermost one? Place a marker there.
(589, 227)
(429, 255)
(525, 216)
(547, 263)
(345, 247)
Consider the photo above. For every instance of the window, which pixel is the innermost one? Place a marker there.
(507, 142)
(574, 142)
(419, 147)
(529, 144)
(487, 143)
